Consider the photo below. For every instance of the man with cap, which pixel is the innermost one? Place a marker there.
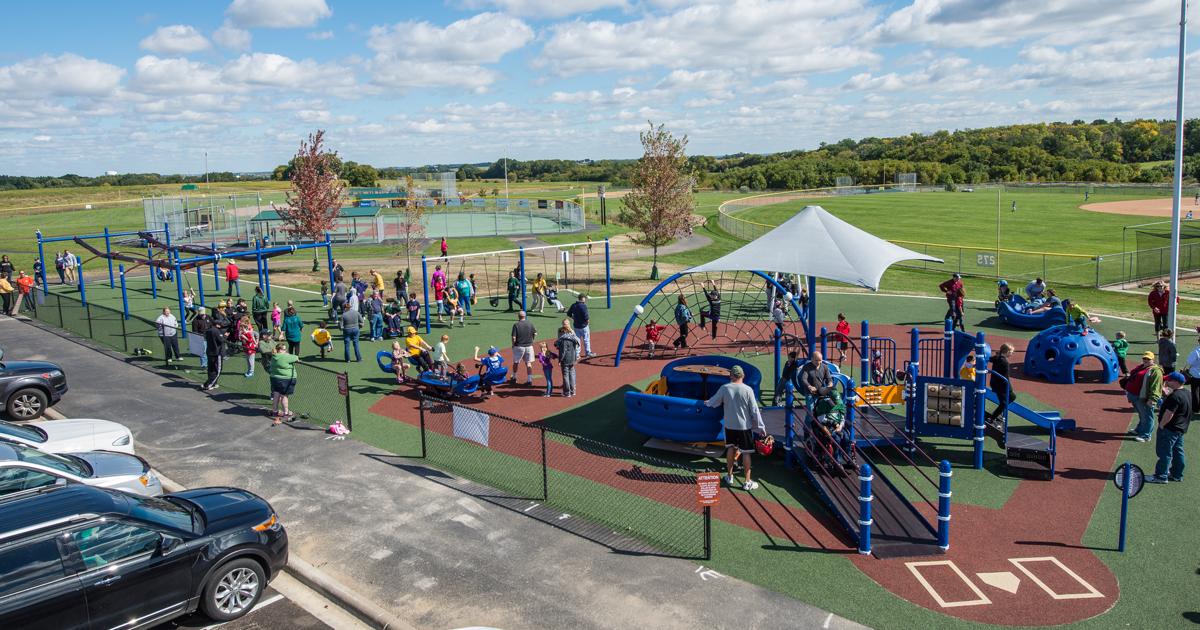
(1159, 301)
(1173, 422)
(743, 421)
(1143, 389)
(953, 288)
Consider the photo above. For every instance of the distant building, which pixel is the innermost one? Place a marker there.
(110, 172)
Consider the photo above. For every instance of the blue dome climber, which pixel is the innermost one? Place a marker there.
(1054, 353)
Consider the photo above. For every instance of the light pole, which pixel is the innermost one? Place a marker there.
(1177, 184)
(998, 231)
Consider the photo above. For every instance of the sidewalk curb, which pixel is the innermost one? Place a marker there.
(365, 610)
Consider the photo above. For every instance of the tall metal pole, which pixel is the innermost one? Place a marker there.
(1177, 185)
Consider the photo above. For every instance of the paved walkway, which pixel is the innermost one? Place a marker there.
(389, 527)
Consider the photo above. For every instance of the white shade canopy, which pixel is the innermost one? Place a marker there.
(816, 243)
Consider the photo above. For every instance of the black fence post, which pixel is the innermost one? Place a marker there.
(58, 301)
(349, 414)
(87, 309)
(545, 473)
(421, 406)
(707, 532)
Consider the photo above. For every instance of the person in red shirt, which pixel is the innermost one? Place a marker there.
(24, 285)
(1160, 304)
(842, 336)
(653, 333)
(953, 289)
(445, 247)
(231, 279)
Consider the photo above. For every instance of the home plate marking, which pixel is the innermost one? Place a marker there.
(1003, 580)
(1089, 591)
(915, 568)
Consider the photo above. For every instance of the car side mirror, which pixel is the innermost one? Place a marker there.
(168, 544)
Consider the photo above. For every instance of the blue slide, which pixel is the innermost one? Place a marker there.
(1049, 420)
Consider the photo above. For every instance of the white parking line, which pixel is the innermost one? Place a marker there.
(263, 604)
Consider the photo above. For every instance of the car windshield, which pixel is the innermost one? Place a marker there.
(70, 464)
(27, 433)
(174, 514)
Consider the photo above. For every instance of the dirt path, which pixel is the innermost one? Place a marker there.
(1158, 207)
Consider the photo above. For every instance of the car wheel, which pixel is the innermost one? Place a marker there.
(26, 404)
(233, 590)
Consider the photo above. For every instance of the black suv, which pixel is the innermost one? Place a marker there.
(78, 556)
(27, 388)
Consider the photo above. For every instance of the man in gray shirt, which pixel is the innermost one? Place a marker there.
(523, 334)
(350, 322)
(815, 378)
(742, 421)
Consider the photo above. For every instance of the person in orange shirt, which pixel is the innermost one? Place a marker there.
(25, 288)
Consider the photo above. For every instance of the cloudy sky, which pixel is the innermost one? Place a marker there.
(150, 86)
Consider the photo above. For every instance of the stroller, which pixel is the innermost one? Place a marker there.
(828, 437)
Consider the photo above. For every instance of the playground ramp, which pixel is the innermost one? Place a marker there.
(897, 531)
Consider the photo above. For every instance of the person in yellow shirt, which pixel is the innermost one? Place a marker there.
(376, 281)
(323, 339)
(967, 373)
(539, 293)
(418, 350)
(6, 294)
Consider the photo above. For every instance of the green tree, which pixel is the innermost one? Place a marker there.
(659, 206)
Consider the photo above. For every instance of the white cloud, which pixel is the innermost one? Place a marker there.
(483, 38)
(232, 37)
(65, 75)
(421, 54)
(981, 23)
(277, 13)
(755, 36)
(177, 39)
(157, 75)
(318, 36)
(542, 9)
(42, 138)
(272, 70)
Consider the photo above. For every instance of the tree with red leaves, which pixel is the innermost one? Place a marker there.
(316, 195)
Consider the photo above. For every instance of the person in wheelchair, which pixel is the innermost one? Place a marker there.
(830, 435)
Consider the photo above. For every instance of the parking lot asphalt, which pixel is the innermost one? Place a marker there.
(392, 529)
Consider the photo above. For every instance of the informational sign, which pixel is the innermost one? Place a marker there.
(600, 191)
(708, 488)
(1137, 479)
(984, 259)
(522, 203)
(343, 384)
(501, 203)
(543, 204)
(478, 203)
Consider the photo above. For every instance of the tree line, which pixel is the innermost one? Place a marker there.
(1097, 151)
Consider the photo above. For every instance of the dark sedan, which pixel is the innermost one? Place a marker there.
(28, 388)
(77, 556)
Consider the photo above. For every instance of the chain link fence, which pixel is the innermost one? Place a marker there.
(630, 501)
(318, 399)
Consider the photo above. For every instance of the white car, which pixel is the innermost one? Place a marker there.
(70, 436)
(24, 468)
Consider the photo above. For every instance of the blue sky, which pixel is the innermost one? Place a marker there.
(87, 87)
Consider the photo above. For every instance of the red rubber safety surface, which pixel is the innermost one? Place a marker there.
(1035, 538)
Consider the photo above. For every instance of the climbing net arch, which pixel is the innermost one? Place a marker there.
(744, 324)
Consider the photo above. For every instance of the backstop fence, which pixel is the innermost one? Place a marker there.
(239, 219)
(320, 397)
(629, 501)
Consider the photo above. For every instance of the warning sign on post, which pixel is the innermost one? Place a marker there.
(343, 384)
(708, 488)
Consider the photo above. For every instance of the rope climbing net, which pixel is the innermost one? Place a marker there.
(734, 313)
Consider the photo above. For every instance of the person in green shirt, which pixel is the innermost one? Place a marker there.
(260, 307)
(1121, 347)
(293, 327)
(514, 290)
(282, 371)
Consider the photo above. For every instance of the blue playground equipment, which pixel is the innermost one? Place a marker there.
(1055, 352)
(673, 408)
(445, 387)
(1010, 312)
